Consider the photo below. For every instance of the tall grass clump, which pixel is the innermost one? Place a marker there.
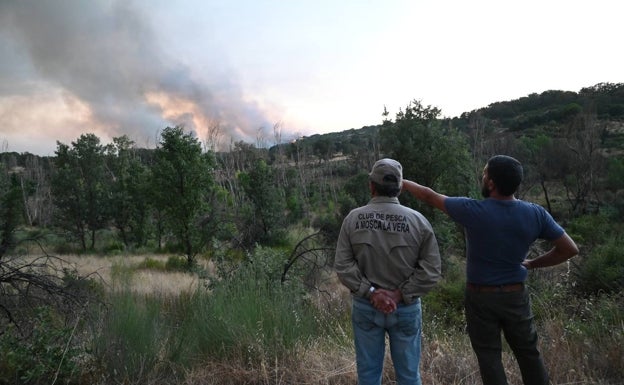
(266, 317)
(582, 336)
(130, 337)
(244, 317)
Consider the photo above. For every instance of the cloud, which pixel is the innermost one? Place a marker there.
(98, 66)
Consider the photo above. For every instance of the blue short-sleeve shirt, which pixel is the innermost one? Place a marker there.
(498, 236)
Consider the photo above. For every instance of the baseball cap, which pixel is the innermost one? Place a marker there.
(387, 172)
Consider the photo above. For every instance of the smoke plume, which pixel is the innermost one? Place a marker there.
(71, 67)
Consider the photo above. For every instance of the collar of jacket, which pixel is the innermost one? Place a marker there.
(381, 199)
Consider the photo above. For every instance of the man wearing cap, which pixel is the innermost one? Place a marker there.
(387, 256)
(499, 231)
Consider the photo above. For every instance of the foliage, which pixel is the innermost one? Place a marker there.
(266, 216)
(98, 187)
(588, 329)
(44, 353)
(249, 323)
(357, 187)
(591, 230)
(443, 307)
(175, 263)
(432, 155)
(81, 189)
(600, 320)
(128, 340)
(176, 196)
(600, 267)
(602, 270)
(615, 173)
(182, 182)
(10, 211)
(552, 107)
(247, 314)
(129, 208)
(154, 264)
(250, 312)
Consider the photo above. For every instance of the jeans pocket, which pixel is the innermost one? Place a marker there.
(363, 318)
(409, 323)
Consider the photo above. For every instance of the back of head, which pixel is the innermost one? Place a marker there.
(387, 175)
(506, 172)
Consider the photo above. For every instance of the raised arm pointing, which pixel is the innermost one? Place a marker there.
(425, 194)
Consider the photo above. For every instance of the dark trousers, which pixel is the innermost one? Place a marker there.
(489, 313)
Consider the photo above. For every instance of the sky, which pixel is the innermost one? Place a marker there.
(269, 71)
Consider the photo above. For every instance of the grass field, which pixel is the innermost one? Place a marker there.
(169, 327)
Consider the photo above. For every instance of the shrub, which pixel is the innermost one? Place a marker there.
(176, 263)
(36, 357)
(152, 264)
(443, 307)
(601, 271)
(590, 230)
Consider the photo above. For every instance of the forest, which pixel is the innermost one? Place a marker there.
(256, 227)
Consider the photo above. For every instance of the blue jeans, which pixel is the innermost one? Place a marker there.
(487, 314)
(369, 331)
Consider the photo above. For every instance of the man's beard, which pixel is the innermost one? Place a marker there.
(485, 192)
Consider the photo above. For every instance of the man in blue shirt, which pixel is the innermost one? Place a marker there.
(499, 231)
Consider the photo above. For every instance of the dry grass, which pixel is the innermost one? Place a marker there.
(143, 281)
(447, 358)
(444, 362)
(315, 364)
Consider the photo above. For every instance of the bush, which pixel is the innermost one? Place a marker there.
(176, 263)
(601, 271)
(152, 264)
(45, 352)
(443, 307)
(590, 230)
(248, 315)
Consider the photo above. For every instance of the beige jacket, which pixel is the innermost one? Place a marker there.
(387, 245)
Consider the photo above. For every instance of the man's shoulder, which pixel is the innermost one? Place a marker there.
(530, 205)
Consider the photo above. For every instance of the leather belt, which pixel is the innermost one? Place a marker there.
(495, 288)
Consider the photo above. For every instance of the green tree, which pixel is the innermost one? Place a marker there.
(81, 188)
(615, 173)
(11, 210)
(129, 209)
(182, 182)
(431, 154)
(540, 156)
(357, 188)
(264, 220)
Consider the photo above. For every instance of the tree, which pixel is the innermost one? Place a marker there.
(432, 155)
(129, 208)
(584, 162)
(34, 180)
(541, 155)
(81, 188)
(11, 210)
(267, 211)
(182, 179)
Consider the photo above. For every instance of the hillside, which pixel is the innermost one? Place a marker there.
(550, 112)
